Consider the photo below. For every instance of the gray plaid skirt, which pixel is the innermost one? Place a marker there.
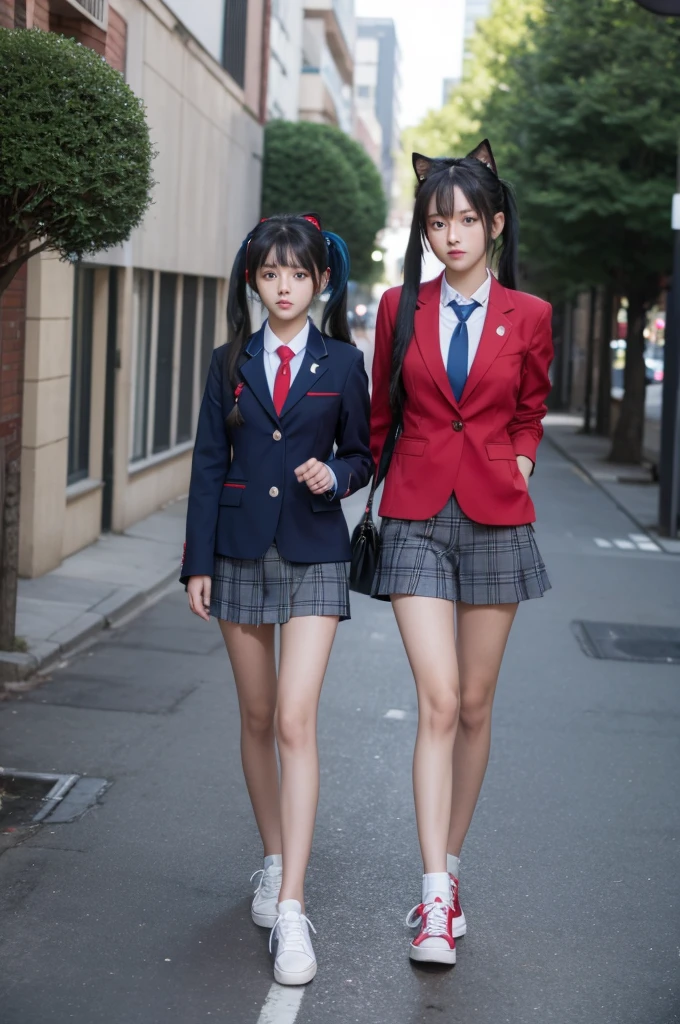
(451, 557)
(272, 590)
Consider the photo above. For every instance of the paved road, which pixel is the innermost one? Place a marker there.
(138, 912)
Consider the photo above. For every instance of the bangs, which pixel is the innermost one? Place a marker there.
(287, 254)
(443, 190)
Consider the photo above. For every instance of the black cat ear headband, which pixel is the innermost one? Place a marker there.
(425, 165)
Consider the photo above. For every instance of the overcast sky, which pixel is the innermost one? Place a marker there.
(429, 34)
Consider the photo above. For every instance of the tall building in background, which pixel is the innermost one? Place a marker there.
(377, 90)
(474, 10)
(285, 59)
(327, 71)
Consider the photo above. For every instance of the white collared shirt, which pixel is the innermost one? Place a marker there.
(475, 324)
(272, 361)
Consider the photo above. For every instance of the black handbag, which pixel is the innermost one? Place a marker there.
(366, 539)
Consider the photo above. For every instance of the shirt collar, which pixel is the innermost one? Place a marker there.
(297, 345)
(481, 295)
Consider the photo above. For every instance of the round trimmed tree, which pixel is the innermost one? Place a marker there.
(317, 168)
(75, 153)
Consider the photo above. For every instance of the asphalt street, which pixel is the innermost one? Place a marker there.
(138, 913)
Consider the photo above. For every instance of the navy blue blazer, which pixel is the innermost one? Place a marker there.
(244, 494)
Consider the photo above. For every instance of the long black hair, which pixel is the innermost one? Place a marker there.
(297, 241)
(477, 178)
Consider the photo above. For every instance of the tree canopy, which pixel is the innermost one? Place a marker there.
(75, 154)
(317, 168)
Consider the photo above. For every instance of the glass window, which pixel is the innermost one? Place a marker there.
(164, 352)
(186, 368)
(234, 50)
(208, 327)
(81, 376)
(144, 318)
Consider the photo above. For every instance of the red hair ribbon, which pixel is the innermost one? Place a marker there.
(312, 220)
(237, 391)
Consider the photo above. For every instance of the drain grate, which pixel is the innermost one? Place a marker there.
(621, 641)
(28, 798)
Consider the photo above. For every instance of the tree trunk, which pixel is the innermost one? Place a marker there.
(627, 441)
(9, 551)
(590, 359)
(604, 390)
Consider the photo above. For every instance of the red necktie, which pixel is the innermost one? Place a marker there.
(282, 381)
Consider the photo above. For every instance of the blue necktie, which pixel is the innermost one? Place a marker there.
(457, 363)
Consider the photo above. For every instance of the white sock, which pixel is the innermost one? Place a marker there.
(453, 865)
(274, 860)
(436, 884)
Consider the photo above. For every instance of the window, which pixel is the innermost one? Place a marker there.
(187, 362)
(234, 49)
(164, 351)
(143, 297)
(176, 320)
(81, 377)
(208, 327)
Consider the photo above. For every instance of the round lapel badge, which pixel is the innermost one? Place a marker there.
(500, 330)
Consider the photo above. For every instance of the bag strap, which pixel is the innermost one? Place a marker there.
(384, 464)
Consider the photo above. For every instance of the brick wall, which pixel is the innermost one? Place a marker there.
(116, 41)
(6, 13)
(12, 337)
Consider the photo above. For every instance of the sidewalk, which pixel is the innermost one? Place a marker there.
(94, 589)
(631, 488)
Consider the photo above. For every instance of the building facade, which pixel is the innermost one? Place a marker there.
(327, 71)
(377, 90)
(285, 59)
(117, 349)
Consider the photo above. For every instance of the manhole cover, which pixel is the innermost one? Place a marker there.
(621, 641)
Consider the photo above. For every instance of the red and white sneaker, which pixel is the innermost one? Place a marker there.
(434, 943)
(459, 923)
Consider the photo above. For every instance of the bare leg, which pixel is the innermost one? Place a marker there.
(253, 660)
(306, 643)
(482, 634)
(427, 629)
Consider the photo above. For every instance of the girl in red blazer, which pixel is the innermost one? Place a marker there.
(460, 374)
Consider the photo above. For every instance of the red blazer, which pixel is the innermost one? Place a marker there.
(469, 447)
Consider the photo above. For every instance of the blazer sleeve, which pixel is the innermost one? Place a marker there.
(352, 464)
(208, 471)
(525, 427)
(381, 411)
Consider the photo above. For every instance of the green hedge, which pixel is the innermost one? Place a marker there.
(75, 154)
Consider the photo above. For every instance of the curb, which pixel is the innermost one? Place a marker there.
(109, 613)
(600, 486)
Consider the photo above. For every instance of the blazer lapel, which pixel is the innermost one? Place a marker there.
(426, 330)
(495, 334)
(312, 369)
(253, 373)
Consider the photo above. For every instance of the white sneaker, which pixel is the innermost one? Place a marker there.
(294, 962)
(264, 910)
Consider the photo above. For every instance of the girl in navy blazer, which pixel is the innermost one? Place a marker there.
(283, 435)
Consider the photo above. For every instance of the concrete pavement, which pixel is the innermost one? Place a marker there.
(138, 912)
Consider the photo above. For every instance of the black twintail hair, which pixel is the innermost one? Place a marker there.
(488, 195)
(296, 241)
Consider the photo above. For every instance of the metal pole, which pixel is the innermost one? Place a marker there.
(669, 461)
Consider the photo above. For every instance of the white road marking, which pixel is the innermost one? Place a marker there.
(395, 713)
(602, 543)
(638, 537)
(625, 545)
(282, 1004)
(648, 545)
